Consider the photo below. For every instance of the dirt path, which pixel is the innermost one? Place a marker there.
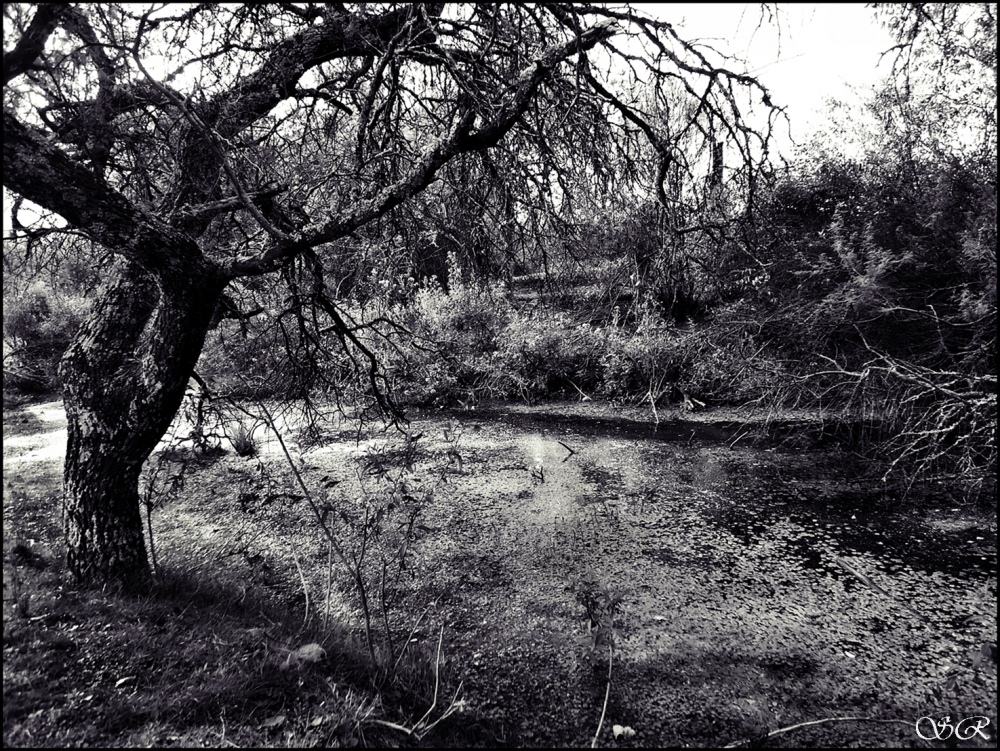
(46, 440)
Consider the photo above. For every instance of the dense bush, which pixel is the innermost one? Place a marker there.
(882, 293)
(548, 353)
(471, 341)
(888, 255)
(38, 326)
(640, 360)
(447, 335)
(466, 317)
(864, 282)
(719, 361)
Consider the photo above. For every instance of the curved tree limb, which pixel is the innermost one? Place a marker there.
(462, 138)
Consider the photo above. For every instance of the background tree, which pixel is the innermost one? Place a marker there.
(207, 146)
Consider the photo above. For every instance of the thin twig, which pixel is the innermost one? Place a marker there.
(819, 722)
(385, 614)
(305, 587)
(329, 585)
(317, 512)
(866, 580)
(456, 705)
(413, 630)
(419, 729)
(583, 396)
(393, 725)
(607, 693)
(437, 680)
(571, 451)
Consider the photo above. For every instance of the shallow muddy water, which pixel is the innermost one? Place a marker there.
(742, 571)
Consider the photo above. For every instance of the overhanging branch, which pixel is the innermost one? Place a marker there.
(31, 44)
(462, 138)
(37, 169)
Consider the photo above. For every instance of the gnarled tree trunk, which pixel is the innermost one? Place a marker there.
(124, 377)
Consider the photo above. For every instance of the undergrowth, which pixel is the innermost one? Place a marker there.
(470, 341)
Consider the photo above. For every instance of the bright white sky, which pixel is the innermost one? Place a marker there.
(815, 52)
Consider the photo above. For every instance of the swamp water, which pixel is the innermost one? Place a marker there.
(741, 573)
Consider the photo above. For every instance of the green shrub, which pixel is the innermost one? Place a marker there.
(886, 252)
(719, 361)
(454, 335)
(639, 361)
(724, 364)
(465, 318)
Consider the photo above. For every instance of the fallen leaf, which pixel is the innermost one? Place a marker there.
(275, 722)
(306, 653)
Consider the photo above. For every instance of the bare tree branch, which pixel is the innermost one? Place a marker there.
(32, 42)
(462, 138)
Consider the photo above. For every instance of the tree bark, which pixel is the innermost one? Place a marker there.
(125, 375)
